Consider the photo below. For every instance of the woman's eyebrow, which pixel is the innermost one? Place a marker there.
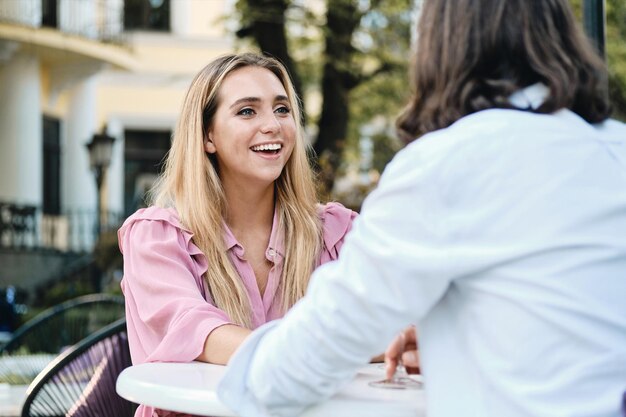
(245, 100)
(278, 98)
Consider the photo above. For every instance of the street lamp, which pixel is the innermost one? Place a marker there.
(100, 150)
(594, 20)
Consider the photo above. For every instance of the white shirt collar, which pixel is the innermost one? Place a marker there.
(530, 97)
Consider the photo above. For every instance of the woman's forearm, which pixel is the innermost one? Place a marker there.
(221, 343)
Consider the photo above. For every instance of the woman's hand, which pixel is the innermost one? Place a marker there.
(403, 347)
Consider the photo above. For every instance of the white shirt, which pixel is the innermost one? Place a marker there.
(504, 238)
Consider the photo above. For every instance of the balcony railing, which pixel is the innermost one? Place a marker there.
(26, 227)
(101, 20)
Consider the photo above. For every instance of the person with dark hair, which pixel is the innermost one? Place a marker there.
(499, 232)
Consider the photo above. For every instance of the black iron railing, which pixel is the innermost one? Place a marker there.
(27, 227)
(95, 19)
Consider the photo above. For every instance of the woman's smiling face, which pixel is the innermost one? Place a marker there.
(253, 130)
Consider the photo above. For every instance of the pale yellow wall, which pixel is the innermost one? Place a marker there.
(139, 102)
(165, 64)
(206, 17)
(162, 55)
(158, 88)
(51, 106)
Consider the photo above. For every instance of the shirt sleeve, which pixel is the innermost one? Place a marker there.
(391, 272)
(168, 317)
(336, 223)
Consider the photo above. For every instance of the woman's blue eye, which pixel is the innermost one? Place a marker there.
(283, 109)
(246, 112)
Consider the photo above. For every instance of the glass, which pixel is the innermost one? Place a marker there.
(399, 380)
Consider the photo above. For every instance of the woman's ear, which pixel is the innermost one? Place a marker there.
(209, 146)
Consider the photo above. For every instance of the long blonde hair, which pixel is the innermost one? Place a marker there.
(190, 183)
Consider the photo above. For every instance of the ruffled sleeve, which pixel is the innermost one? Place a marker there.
(336, 223)
(168, 312)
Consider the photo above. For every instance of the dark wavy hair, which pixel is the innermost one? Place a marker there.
(473, 54)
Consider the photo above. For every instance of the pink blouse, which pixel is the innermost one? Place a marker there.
(169, 311)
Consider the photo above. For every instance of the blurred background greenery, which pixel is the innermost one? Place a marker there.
(352, 57)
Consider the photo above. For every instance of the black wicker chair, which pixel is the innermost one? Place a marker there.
(37, 342)
(81, 381)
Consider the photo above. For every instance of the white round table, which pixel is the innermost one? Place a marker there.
(190, 388)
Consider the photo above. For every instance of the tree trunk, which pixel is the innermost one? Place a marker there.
(266, 25)
(337, 81)
(267, 28)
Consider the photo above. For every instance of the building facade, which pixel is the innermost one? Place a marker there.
(70, 69)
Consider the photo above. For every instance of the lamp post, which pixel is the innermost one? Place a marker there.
(100, 150)
(594, 22)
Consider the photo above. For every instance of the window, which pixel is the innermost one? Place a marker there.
(151, 15)
(144, 154)
(49, 13)
(51, 166)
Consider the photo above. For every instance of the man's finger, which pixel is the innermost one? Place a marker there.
(410, 358)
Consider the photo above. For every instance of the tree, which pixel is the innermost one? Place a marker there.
(339, 77)
(351, 55)
(264, 21)
(616, 55)
(345, 36)
(615, 52)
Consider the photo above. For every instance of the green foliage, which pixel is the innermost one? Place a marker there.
(615, 51)
(377, 64)
(382, 96)
(616, 54)
(108, 259)
(64, 290)
(107, 252)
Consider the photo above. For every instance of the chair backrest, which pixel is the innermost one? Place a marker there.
(38, 341)
(81, 381)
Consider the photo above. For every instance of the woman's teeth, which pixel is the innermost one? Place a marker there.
(268, 147)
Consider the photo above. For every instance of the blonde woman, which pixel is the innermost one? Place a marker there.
(235, 229)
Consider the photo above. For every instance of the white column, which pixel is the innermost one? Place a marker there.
(21, 145)
(78, 17)
(180, 17)
(78, 182)
(27, 12)
(112, 17)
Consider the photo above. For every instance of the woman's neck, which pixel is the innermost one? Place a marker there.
(249, 209)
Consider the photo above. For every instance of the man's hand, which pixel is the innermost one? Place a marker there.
(403, 347)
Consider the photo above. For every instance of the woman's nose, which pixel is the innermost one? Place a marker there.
(270, 123)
